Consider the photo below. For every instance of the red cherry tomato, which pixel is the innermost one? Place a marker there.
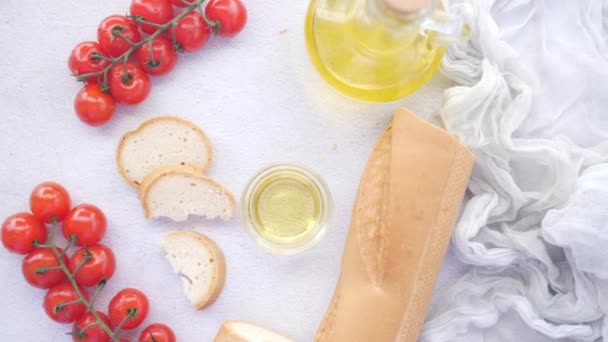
(92, 333)
(164, 57)
(35, 264)
(231, 15)
(93, 106)
(83, 60)
(113, 44)
(131, 87)
(157, 333)
(100, 265)
(180, 3)
(87, 223)
(48, 201)
(191, 32)
(57, 303)
(154, 11)
(19, 232)
(129, 302)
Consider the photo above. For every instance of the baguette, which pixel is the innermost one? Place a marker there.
(200, 263)
(408, 202)
(177, 192)
(162, 141)
(242, 331)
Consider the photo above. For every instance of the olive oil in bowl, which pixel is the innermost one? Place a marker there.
(286, 208)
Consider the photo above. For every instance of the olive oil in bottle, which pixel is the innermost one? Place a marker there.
(378, 50)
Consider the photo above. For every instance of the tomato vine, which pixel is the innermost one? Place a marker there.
(71, 276)
(124, 58)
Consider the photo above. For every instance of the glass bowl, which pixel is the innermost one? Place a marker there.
(286, 208)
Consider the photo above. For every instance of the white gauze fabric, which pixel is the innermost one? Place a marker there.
(534, 226)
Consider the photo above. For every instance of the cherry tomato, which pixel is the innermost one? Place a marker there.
(129, 302)
(19, 232)
(180, 3)
(191, 32)
(154, 11)
(93, 106)
(49, 201)
(164, 57)
(91, 334)
(56, 299)
(34, 267)
(131, 87)
(100, 266)
(231, 15)
(87, 223)
(157, 333)
(111, 43)
(83, 60)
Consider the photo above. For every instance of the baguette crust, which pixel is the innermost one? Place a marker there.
(219, 260)
(406, 207)
(228, 333)
(185, 170)
(156, 120)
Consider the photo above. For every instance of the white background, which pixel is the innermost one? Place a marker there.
(258, 99)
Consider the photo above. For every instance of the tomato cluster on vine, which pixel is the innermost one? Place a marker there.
(68, 279)
(129, 48)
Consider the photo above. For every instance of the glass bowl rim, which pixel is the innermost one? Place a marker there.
(324, 220)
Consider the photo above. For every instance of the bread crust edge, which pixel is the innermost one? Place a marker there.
(219, 278)
(129, 134)
(186, 170)
(227, 332)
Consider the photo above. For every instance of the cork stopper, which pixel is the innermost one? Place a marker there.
(407, 6)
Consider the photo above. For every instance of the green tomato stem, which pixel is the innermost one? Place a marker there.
(125, 38)
(79, 266)
(84, 330)
(176, 47)
(105, 87)
(152, 63)
(43, 270)
(98, 289)
(61, 306)
(130, 313)
(70, 245)
(140, 20)
(215, 25)
(37, 244)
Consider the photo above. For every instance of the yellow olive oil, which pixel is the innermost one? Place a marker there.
(366, 57)
(286, 207)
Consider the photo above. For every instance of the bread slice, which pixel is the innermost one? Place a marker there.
(199, 262)
(179, 191)
(242, 331)
(162, 141)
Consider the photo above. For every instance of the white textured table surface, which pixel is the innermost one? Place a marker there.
(258, 99)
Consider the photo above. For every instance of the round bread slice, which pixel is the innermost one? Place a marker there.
(199, 262)
(243, 331)
(177, 192)
(162, 141)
